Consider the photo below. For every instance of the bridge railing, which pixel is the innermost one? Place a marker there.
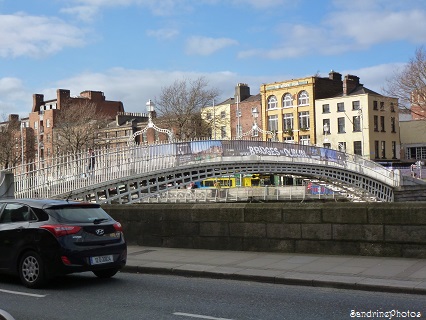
(69, 172)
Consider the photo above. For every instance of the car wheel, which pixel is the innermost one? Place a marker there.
(31, 270)
(105, 273)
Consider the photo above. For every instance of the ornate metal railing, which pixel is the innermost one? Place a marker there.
(66, 173)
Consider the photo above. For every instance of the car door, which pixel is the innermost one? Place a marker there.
(14, 222)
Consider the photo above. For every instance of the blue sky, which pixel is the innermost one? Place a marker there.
(130, 49)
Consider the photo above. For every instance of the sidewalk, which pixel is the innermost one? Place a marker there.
(349, 272)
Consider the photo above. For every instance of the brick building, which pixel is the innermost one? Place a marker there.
(44, 112)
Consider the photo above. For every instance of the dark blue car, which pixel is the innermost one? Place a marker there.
(42, 238)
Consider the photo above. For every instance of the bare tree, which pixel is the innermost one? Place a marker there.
(409, 83)
(10, 146)
(179, 107)
(76, 126)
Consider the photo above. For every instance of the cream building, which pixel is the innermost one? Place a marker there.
(359, 121)
(413, 141)
(218, 118)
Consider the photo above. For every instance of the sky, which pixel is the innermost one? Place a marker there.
(132, 49)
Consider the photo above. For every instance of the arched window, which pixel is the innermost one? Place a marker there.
(303, 98)
(287, 100)
(272, 102)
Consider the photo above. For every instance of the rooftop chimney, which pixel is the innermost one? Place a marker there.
(335, 76)
(242, 92)
(350, 83)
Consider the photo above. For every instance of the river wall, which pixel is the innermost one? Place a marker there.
(370, 229)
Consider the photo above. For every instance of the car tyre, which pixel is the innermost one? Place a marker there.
(31, 270)
(105, 273)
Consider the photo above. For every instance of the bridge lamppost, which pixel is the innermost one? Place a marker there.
(150, 109)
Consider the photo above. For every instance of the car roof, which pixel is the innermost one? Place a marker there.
(43, 203)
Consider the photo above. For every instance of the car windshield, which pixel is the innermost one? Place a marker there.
(78, 214)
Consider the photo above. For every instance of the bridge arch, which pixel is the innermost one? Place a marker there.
(131, 173)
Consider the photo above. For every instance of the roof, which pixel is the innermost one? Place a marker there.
(43, 203)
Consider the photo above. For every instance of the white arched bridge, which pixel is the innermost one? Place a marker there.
(136, 173)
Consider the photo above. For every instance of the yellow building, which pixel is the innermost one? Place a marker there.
(288, 107)
(359, 121)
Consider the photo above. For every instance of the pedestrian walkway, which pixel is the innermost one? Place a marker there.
(348, 272)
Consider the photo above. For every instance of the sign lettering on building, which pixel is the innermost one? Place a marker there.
(287, 85)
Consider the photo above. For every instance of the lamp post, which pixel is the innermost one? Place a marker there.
(22, 145)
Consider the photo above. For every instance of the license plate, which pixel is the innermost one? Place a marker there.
(101, 259)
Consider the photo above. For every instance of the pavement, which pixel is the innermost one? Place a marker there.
(382, 274)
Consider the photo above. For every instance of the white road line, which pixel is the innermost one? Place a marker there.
(199, 316)
(24, 293)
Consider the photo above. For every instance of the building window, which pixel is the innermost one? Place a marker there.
(341, 146)
(255, 132)
(303, 98)
(289, 139)
(272, 102)
(375, 105)
(356, 120)
(341, 107)
(326, 108)
(287, 100)
(383, 149)
(376, 149)
(356, 105)
(325, 126)
(305, 140)
(393, 128)
(304, 120)
(376, 123)
(382, 123)
(358, 148)
(223, 132)
(223, 114)
(208, 115)
(341, 125)
(393, 149)
(288, 121)
(273, 123)
(382, 106)
(48, 123)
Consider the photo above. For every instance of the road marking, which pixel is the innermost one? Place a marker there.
(24, 293)
(199, 316)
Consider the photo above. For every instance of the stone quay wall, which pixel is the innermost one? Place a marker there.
(369, 229)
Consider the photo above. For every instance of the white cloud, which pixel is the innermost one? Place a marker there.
(163, 34)
(375, 77)
(84, 13)
(135, 87)
(206, 46)
(369, 28)
(13, 97)
(348, 28)
(24, 35)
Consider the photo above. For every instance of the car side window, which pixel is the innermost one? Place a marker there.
(15, 212)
